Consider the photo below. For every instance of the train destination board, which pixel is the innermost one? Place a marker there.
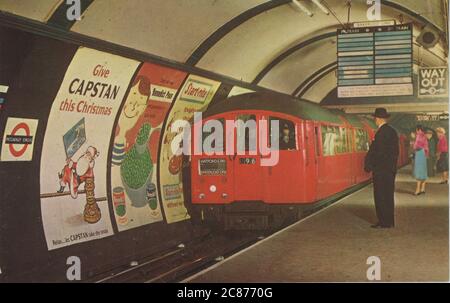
(375, 61)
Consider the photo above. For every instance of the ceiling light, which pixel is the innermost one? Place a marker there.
(321, 6)
(302, 7)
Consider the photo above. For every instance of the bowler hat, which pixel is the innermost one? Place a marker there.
(381, 112)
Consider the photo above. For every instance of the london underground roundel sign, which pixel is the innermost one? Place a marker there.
(18, 139)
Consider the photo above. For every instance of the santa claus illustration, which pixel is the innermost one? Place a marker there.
(75, 173)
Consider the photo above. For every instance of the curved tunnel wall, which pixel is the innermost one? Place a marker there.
(105, 117)
(212, 45)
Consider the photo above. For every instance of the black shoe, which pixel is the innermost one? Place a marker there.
(61, 189)
(378, 226)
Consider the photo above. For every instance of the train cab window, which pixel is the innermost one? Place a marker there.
(213, 140)
(246, 133)
(361, 140)
(286, 134)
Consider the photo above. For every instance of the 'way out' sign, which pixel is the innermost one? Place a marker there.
(433, 82)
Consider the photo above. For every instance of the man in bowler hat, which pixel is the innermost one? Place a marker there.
(381, 160)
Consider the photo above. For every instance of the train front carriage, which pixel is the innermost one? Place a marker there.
(244, 166)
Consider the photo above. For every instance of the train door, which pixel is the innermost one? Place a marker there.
(329, 163)
(311, 158)
(246, 161)
(283, 182)
(353, 157)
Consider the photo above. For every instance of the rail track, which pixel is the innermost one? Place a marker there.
(186, 259)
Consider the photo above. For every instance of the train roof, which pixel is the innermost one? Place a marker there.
(274, 102)
(370, 122)
(354, 120)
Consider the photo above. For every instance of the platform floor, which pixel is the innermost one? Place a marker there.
(333, 245)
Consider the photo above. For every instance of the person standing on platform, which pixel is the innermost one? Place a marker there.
(412, 139)
(420, 160)
(442, 153)
(381, 160)
(431, 160)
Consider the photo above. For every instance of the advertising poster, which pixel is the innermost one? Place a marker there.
(3, 91)
(74, 158)
(18, 139)
(136, 144)
(194, 96)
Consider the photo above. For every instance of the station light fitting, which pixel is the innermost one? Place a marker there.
(302, 7)
(321, 6)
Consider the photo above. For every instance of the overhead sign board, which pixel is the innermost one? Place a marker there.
(375, 61)
(373, 23)
(433, 82)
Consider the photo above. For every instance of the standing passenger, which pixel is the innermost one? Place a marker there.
(420, 160)
(442, 153)
(431, 161)
(381, 160)
(412, 139)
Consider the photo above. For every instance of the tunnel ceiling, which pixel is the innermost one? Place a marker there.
(268, 43)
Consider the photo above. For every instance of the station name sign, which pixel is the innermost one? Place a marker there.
(432, 117)
(375, 61)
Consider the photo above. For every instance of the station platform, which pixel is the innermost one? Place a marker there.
(335, 243)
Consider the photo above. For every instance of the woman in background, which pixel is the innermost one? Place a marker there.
(431, 161)
(412, 139)
(442, 154)
(420, 160)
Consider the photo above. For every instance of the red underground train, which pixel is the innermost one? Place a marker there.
(325, 157)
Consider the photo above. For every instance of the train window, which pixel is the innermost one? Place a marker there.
(351, 141)
(248, 132)
(210, 142)
(335, 140)
(286, 134)
(362, 140)
(329, 140)
(366, 141)
(342, 144)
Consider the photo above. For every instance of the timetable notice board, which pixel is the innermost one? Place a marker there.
(375, 61)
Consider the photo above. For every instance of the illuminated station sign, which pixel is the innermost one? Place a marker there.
(375, 61)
